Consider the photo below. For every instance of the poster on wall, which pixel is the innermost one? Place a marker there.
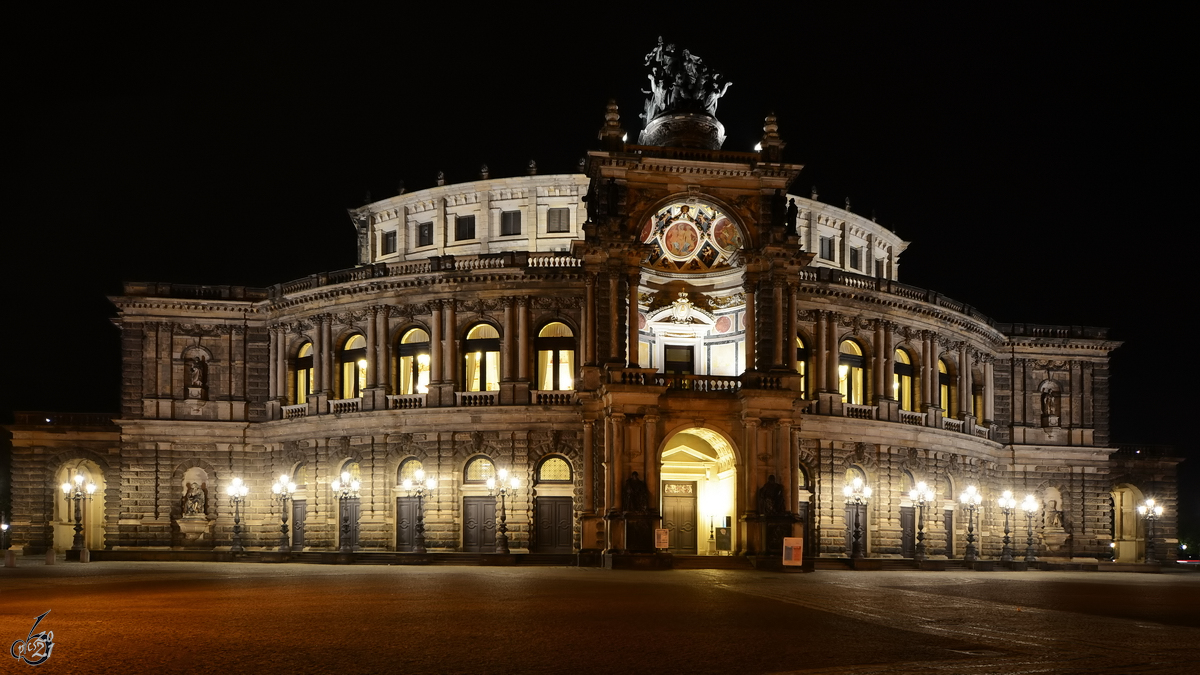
(662, 538)
(793, 550)
(724, 539)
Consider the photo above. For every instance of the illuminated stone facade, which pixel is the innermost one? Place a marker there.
(669, 311)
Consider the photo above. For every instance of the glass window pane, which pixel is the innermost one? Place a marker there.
(545, 370)
(479, 470)
(566, 369)
(408, 470)
(554, 468)
(493, 371)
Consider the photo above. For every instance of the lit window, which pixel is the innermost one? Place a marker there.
(679, 359)
(802, 366)
(902, 379)
(510, 223)
(408, 471)
(389, 242)
(353, 469)
(464, 228)
(558, 220)
(479, 470)
(554, 469)
(946, 389)
(304, 374)
(412, 375)
(481, 357)
(424, 234)
(354, 367)
(850, 373)
(555, 346)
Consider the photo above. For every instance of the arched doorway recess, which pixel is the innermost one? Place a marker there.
(699, 492)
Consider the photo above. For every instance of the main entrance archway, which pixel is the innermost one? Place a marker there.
(699, 492)
(1129, 543)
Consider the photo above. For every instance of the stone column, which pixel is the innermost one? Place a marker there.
(589, 320)
(832, 353)
(877, 370)
(510, 333)
(281, 364)
(327, 348)
(319, 355)
(889, 360)
(618, 452)
(650, 448)
(589, 440)
(989, 393)
(435, 342)
(817, 380)
(778, 361)
(450, 362)
(786, 464)
(523, 339)
(383, 350)
(614, 315)
(793, 330)
(372, 364)
(964, 382)
(751, 335)
(632, 319)
(273, 359)
(929, 385)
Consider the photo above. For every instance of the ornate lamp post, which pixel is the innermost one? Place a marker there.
(4, 536)
(507, 486)
(1151, 512)
(78, 493)
(345, 489)
(921, 495)
(1008, 504)
(1030, 506)
(282, 492)
(857, 493)
(237, 492)
(971, 498)
(419, 488)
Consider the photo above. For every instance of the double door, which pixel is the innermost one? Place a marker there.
(555, 516)
(479, 524)
(679, 515)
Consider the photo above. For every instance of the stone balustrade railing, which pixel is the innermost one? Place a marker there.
(699, 383)
(473, 399)
(539, 397)
(950, 424)
(290, 412)
(406, 401)
(860, 412)
(345, 405)
(916, 419)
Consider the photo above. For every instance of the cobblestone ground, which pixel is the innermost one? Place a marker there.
(241, 617)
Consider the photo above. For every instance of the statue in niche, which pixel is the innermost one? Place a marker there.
(1053, 514)
(194, 499)
(1049, 401)
(770, 497)
(635, 494)
(197, 372)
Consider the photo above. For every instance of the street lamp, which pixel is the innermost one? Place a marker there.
(80, 493)
(237, 492)
(971, 498)
(1030, 506)
(921, 495)
(1007, 504)
(344, 490)
(857, 494)
(509, 487)
(4, 536)
(419, 488)
(1151, 512)
(282, 492)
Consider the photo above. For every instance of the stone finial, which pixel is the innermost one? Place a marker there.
(483, 172)
(400, 187)
(611, 133)
(581, 165)
(772, 143)
(532, 168)
(441, 178)
(814, 193)
(847, 203)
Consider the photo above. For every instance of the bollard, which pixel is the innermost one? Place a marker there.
(10, 558)
(85, 555)
(50, 556)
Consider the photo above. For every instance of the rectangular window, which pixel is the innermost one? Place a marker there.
(389, 242)
(464, 228)
(879, 267)
(510, 223)
(424, 234)
(856, 258)
(558, 220)
(827, 248)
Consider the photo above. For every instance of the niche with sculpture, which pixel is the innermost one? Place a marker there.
(193, 524)
(1050, 394)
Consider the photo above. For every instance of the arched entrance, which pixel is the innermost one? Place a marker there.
(1129, 542)
(699, 492)
(91, 509)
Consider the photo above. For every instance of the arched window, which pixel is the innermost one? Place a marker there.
(408, 471)
(554, 470)
(481, 359)
(802, 476)
(300, 475)
(412, 368)
(947, 390)
(802, 365)
(555, 346)
(354, 367)
(478, 470)
(304, 375)
(850, 373)
(902, 380)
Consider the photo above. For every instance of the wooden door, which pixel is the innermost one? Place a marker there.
(908, 531)
(679, 515)
(299, 513)
(555, 516)
(349, 512)
(479, 524)
(406, 523)
(861, 510)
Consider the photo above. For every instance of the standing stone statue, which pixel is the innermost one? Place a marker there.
(1053, 514)
(770, 497)
(197, 375)
(635, 495)
(793, 214)
(193, 500)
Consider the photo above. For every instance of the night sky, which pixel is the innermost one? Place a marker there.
(1035, 156)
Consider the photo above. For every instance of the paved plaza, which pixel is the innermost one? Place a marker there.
(124, 617)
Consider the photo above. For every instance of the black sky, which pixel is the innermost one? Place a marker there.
(1035, 156)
